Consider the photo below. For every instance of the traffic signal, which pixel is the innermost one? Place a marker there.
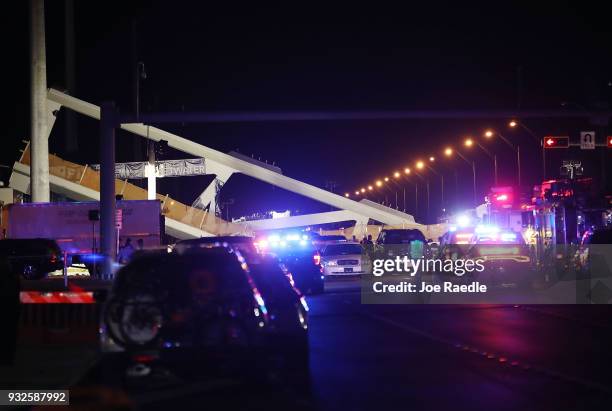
(556, 142)
(609, 141)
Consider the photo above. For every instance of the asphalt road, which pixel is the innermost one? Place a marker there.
(428, 357)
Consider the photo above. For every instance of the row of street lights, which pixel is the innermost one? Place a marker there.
(421, 165)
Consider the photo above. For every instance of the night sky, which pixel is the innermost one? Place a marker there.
(201, 57)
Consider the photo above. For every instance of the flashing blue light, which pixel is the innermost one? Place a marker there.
(90, 258)
(261, 303)
(487, 229)
(452, 229)
(304, 304)
(508, 237)
(463, 220)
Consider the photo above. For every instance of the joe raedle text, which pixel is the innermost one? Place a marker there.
(423, 287)
(411, 267)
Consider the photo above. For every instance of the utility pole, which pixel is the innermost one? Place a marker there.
(70, 134)
(108, 232)
(39, 143)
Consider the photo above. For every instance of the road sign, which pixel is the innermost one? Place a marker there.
(119, 219)
(587, 140)
(556, 142)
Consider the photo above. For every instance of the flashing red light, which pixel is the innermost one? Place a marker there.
(502, 197)
(609, 141)
(143, 358)
(502, 200)
(556, 142)
(317, 259)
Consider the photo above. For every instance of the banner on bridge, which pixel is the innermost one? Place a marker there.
(165, 168)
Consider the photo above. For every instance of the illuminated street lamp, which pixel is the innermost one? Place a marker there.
(432, 159)
(370, 188)
(357, 192)
(406, 171)
(448, 151)
(386, 178)
(396, 174)
(514, 124)
(420, 165)
(363, 190)
(517, 150)
(347, 195)
(378, 183)
(470, 163)
(469, 143)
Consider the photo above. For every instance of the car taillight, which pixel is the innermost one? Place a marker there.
(53, 258)
(317, 259)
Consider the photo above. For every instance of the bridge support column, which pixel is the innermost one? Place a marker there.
(39, 147)
(209, 197)
(361, 228)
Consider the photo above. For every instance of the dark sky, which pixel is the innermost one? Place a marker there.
(200, 56)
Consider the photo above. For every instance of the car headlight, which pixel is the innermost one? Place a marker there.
(330, 263)
(135, 320)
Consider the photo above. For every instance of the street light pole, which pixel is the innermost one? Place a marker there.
(433, 170)
(516, 149)
(492, 156)
(537, 139)
(473, 165)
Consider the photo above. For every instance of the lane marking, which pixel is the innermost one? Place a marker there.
(507, 359)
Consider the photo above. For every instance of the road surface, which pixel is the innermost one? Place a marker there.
(424, 357)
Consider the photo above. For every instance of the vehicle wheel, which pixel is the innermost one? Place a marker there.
(31, 272)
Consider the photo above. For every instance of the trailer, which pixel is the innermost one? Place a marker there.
(75, 226)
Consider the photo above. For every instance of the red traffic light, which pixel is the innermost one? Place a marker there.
(556, 142)
(609, 141)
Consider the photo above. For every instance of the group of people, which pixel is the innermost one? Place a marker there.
(126, 250)
(367, 240)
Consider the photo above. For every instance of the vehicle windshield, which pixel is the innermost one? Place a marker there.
(342, 249)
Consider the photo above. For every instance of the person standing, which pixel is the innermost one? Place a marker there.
(125, 253)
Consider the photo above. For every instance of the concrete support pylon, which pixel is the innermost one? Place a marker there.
(39, 147)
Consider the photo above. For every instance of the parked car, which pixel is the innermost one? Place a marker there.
(199, 310)
(402, 242)
(342, 259)
(320, 241)
(298, 255)
(32, 258)
(244, 244)
(304, 263)
(284, 301)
